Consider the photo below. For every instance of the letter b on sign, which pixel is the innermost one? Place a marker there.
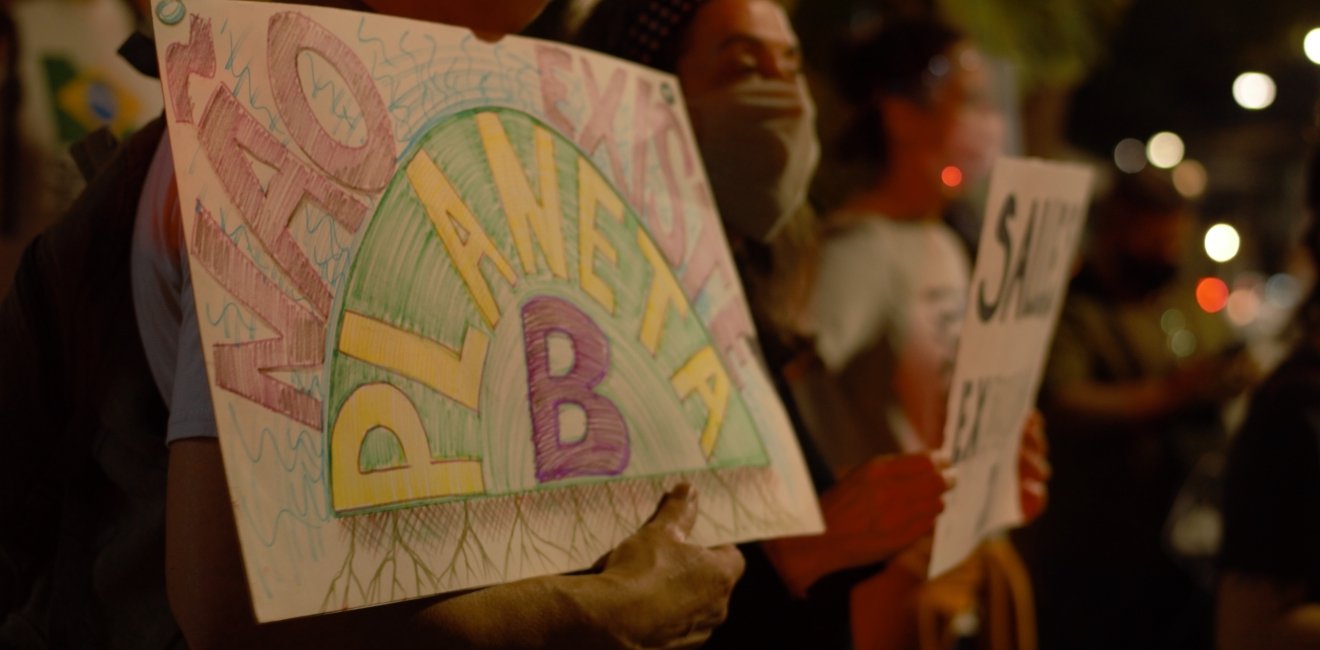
(603, 450)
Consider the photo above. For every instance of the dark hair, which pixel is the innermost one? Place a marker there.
(650, 32)
(896, 60)
(1135, 198)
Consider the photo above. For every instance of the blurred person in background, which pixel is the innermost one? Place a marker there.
(886, 312)
(1269, 588)
(1135, 384)
(753, 118)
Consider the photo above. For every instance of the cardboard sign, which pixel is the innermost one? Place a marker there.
(1035, 215)
(467, 308)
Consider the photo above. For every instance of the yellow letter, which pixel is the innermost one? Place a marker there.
(593, 191)
(383, 406)
(526, 215)
(664, 292)
(448, 213)
(456, 375)
(705, 375)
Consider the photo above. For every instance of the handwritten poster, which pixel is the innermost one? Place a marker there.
(467, 308)
(1035, 213)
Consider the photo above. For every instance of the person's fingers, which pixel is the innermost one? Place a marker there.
(1034, 466)
(925, 510)
(677, 513)
(730, 561)
(891, 467)
(1035, 497)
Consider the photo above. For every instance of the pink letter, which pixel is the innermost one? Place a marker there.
(603, 450)
(549, 59)
(656, 120)
(299, 340)
(367, 167)
(183, 61)
(229, 134)
(600, 126)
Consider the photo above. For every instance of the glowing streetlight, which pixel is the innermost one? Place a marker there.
(1165, 150)
(1311, 45)
(1222, 242)
(1254, 90)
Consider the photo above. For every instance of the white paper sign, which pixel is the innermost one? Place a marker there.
(467, 307)
(1034, 218)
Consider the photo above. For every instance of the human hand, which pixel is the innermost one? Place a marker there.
(1213, 379)
(1033, 467)
(878, 509)
(666, 592)
(891, 499)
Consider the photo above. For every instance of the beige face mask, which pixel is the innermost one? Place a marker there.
(758, 140)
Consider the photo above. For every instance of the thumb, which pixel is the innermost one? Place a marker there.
(677, 513)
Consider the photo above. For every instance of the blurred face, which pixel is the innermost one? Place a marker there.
(751, 112)
(958, 126)
(731, 40)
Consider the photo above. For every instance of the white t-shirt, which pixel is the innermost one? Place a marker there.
(886, 313)
(163, 303)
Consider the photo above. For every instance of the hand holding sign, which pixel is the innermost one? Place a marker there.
(1034, 217)
(876, 511)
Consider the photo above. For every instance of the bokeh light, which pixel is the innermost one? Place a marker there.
(1222, 242)
(1183, 343)
(1172, 321)
(1283, 291)
(1254, 90)
(1311, 45)
(1243, 306)
(1165, 150)
(952, 176)
(1190, 178)
(1212, 294)
(1130, 155)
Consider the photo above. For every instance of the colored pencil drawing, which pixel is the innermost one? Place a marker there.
(467, 307)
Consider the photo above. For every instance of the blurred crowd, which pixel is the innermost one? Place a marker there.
(1170, 477)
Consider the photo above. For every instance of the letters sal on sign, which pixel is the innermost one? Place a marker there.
(1030, 259)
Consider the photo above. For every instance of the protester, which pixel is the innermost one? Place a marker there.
(113, 525)
(1269, 589)
(1135, 383)
(888, 305)
(740, 70)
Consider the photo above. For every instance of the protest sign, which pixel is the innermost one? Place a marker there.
(466, 306)
(1035, 212)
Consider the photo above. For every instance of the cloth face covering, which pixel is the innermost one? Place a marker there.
(758, 140)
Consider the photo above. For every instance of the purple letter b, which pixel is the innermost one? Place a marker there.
(603, 450)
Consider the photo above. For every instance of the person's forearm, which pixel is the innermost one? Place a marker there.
(548, 612)
(1134, 400)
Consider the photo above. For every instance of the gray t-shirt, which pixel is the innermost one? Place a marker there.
(163, 303)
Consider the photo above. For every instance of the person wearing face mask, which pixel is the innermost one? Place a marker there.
(1137, 378)
(752, 115)
(113, 467)
(886, 310)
